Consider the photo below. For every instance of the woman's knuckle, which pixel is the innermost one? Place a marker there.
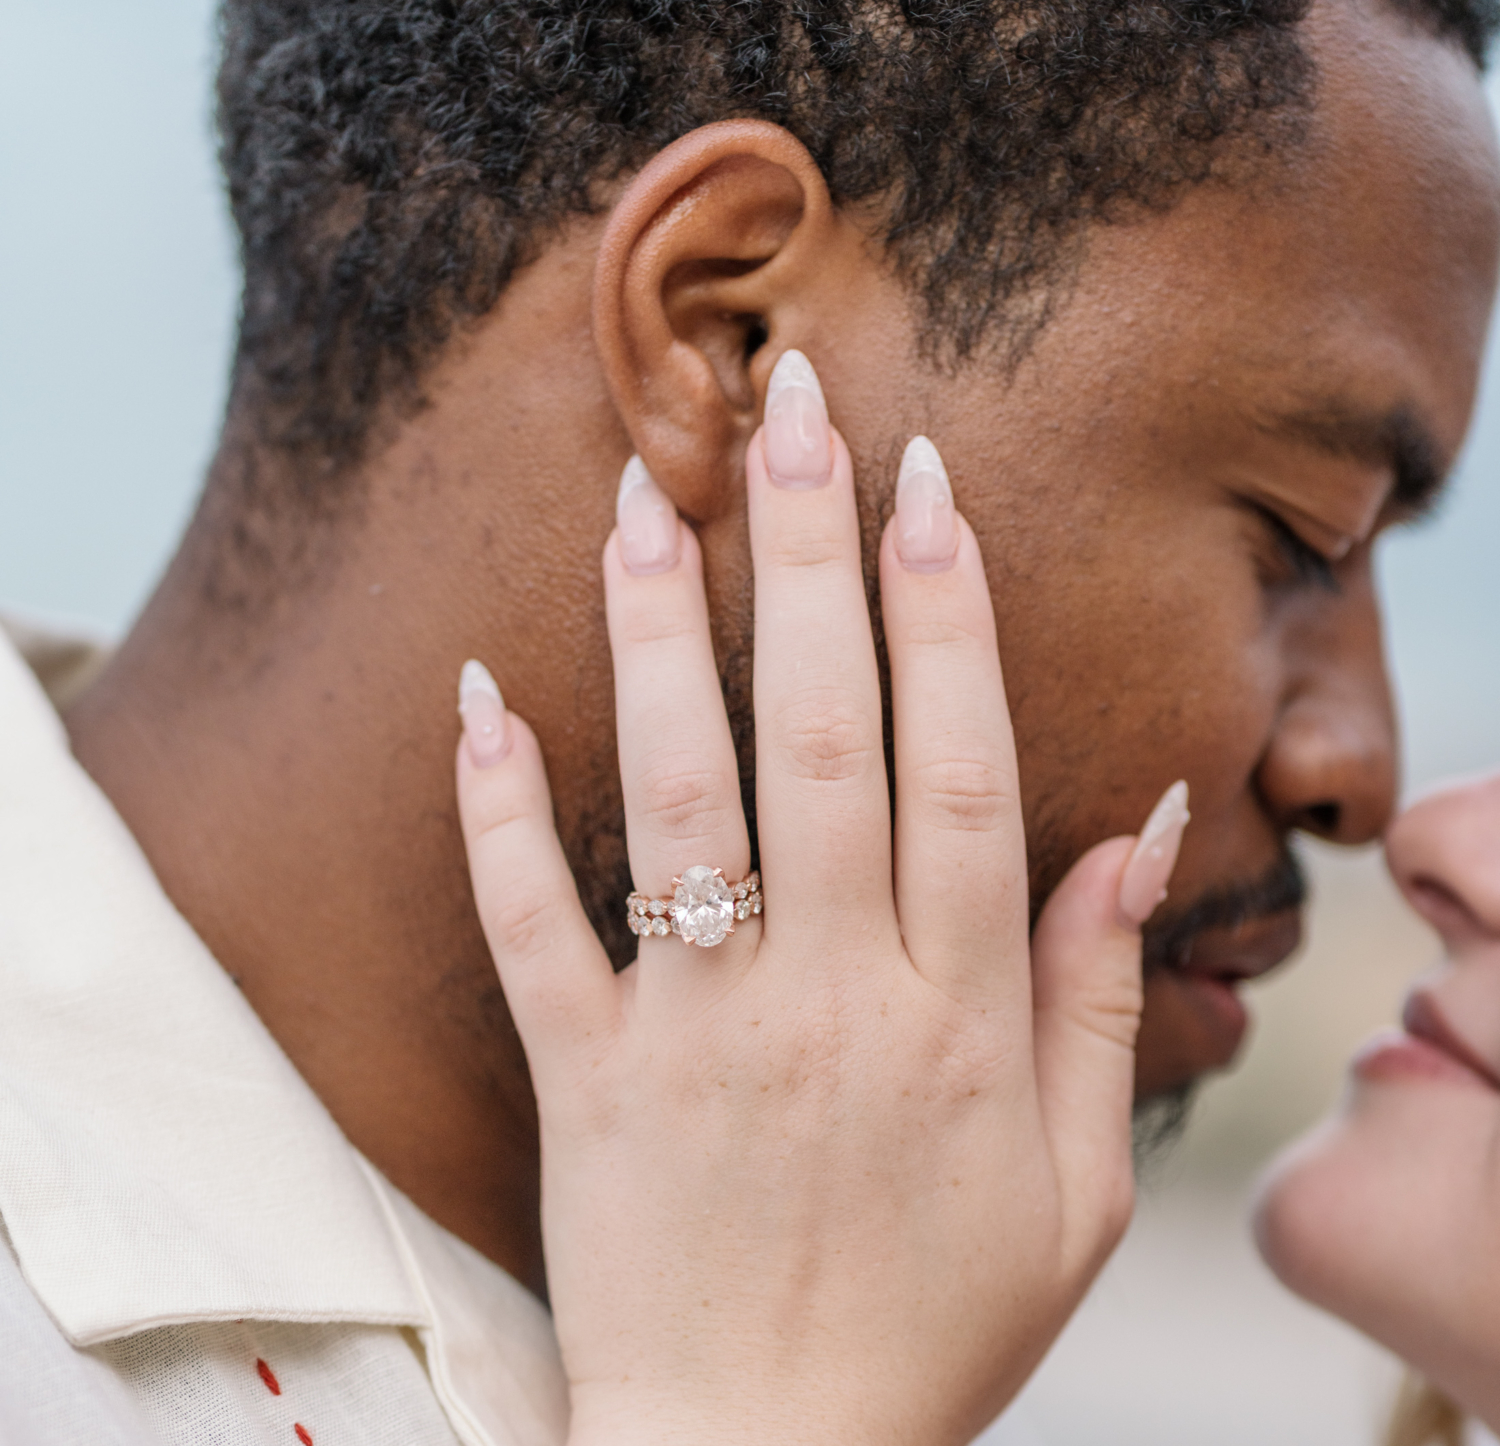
(658, 628)
(520, 922)
(800, 549)
(965, 794)
(1111, 1008)
(826, 737)
(683, 801)
(492, 815)
(948, 635)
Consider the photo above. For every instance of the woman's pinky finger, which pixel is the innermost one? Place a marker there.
(557, 978)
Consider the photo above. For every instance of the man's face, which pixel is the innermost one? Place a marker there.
(1178, 494)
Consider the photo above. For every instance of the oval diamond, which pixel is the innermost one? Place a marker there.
(702, 907)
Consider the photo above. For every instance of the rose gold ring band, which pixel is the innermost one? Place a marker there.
(703, 910)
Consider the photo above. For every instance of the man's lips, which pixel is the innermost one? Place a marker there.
(1245, 951)
(1217, 962)
(1197, 1020)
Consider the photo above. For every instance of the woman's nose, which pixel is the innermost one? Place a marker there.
(1444, 852)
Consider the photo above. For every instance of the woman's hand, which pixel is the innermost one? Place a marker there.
(843, 1176)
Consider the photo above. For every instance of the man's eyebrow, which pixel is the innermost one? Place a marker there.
(1396, 438)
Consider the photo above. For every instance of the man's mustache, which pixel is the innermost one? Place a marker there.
(1168, 943)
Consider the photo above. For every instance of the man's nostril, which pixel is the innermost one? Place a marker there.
(1324, 818)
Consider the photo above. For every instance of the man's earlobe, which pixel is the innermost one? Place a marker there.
(704, 261)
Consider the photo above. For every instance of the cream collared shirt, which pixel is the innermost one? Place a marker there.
(190, 1250)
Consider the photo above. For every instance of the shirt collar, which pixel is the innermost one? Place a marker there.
(160, 1159)
(162, 1162)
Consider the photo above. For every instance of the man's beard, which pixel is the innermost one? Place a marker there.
(1168, 939)
(1157, 1126)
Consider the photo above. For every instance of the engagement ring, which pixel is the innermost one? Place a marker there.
(703, 910)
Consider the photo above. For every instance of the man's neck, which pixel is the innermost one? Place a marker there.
(290, 780)
(279, 730)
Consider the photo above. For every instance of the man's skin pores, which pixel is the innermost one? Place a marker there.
(281, 742)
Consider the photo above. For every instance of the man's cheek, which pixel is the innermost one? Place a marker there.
(1107, 714)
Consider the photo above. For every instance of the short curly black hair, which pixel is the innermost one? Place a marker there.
(391, 163)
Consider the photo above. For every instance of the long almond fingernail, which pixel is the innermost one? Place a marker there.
(486, 729)
(798, 440)
(926, 525)
(650, 537)
(1143, 885)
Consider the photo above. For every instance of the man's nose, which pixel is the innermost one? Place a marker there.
(1331, 766)
(1444, 852)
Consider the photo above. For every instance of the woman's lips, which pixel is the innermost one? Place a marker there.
(1428, 1047)
(1393, 1054)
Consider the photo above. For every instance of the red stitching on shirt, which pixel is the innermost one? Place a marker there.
(303, 1435)
(268, 1376)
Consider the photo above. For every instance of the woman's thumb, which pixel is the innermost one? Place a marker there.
(1086, 967)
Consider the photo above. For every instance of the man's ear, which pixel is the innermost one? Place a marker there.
(708, 255)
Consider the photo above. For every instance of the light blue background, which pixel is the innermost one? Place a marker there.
(117, 297)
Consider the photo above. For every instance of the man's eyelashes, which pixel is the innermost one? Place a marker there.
(1304, 565)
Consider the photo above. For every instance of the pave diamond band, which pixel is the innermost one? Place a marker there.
(703, 909)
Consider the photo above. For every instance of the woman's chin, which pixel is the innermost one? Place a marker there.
(1298, 1200)
(1383, 1214)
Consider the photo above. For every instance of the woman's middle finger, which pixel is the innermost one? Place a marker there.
(822, 807)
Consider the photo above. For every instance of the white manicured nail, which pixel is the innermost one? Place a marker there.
(483, 711)
(650, 537)
(926, 524)
(797, 437)
(1143, 885)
